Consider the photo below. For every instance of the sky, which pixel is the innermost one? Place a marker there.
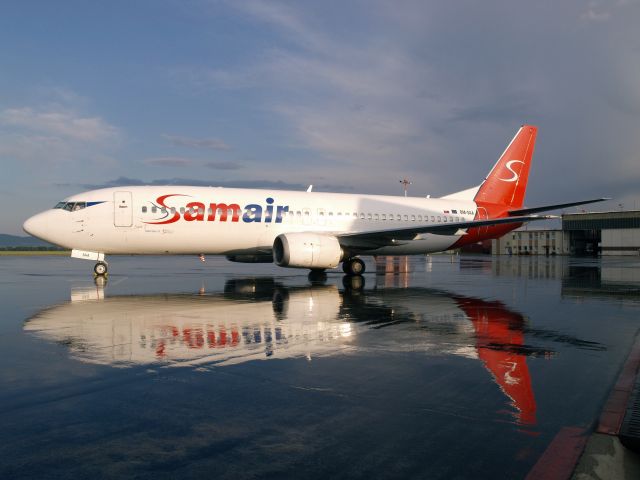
(350, 96)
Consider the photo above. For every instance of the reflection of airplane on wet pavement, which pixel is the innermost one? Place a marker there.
(261, 319)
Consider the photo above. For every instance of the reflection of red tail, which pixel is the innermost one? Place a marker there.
(498, 334)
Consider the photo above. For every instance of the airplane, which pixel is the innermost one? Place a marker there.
(310, 230)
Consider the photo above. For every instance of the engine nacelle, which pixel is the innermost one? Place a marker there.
(306, 250)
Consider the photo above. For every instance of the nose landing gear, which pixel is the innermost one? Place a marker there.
(100, 269)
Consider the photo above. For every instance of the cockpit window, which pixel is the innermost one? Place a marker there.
(71, 206)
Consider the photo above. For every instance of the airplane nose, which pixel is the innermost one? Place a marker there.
(36, 226)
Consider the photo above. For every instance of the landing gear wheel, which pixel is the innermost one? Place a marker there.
(353, 266)
(100, 269)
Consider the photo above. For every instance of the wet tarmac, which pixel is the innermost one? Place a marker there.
(466, 367)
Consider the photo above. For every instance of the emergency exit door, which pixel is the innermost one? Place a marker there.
(122, 209)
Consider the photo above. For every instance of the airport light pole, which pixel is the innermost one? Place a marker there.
(405, 184)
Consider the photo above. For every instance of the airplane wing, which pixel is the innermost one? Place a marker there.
(546, 208)
(397, 236)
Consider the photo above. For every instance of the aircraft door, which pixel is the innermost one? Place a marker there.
(122, 209)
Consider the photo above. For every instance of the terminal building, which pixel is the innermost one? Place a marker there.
(601, 233)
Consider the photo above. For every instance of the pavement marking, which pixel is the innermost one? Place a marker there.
(616, 405)
(559, 459)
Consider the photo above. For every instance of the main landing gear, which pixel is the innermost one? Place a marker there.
(100, 269)
(353, 266)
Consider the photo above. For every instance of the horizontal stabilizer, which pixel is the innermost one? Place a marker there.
(546, 208)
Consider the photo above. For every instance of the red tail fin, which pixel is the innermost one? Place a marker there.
(506, 184)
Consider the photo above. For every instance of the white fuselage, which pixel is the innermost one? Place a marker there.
(189, 220)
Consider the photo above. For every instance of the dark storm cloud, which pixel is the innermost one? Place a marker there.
(442, 87)
(506, 111)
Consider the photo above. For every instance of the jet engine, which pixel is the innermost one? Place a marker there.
(306, 250)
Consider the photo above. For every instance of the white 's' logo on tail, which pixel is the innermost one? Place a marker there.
(515, 175)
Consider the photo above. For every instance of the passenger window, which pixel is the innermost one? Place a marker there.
(376, 217)
(444, 219)
(362, 216)
(413, 218)
(384, 216)
(398, 217)
(154, 209)
(419, 218)
(144, 209)
(173, 210)
(182, 210)
(439, 220)
(406, 218)
(433, 219)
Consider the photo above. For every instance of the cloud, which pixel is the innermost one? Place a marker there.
(210, 143)
(604, 10)
(181, 162)
(592, 15)
(259, 184)
(60, 124)
(56, 134)
(169, 162)
(223, 165)
(427, 92)
(506, 111)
